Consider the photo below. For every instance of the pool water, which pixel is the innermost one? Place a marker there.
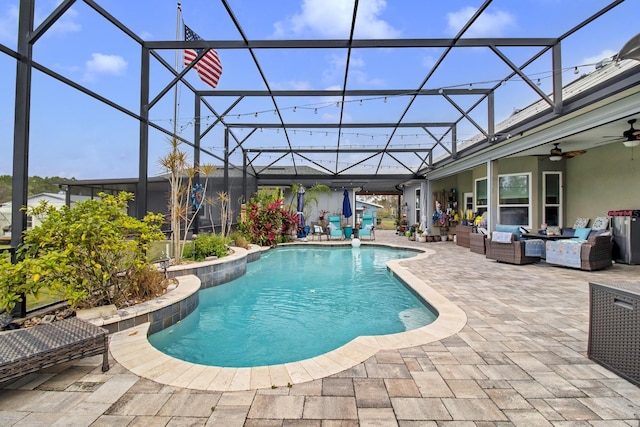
(296, 303)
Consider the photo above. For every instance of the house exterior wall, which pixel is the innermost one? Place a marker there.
(591, 185)
(602, 179)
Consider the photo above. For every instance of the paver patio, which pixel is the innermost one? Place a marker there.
(520, 360)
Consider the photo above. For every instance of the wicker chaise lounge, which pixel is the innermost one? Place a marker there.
(23, 351)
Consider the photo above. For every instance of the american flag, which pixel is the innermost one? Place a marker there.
(209, 67)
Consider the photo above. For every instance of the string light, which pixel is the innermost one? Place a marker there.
(441, 90)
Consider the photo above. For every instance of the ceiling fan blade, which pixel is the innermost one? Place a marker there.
(609, 141)
(570, 154)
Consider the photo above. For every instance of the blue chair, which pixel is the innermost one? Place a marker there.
(335, 230)
(368, 228)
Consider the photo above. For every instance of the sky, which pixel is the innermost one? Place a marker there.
(74, 135)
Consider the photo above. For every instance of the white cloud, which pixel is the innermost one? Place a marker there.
(67, 23)
(599, 57)
(104, 64)
(332, 18)
(487, 25)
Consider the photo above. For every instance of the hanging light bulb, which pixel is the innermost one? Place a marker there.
(385, 99)
(361, 102)
(538, 82)
(315, 111)
(575, 70)
(470, 86)
(294, 109)
(338, 104)
(440, 91)
(255, 114)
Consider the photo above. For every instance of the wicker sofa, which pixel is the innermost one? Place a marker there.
(592, 254)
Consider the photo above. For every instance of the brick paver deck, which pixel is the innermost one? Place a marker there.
(520, 360)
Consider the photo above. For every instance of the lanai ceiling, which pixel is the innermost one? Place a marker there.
(373, 127)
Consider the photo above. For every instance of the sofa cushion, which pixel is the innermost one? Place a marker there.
(513, 229)
(581, 222)
(581, 233)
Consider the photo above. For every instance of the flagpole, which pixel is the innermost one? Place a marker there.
(175, 91)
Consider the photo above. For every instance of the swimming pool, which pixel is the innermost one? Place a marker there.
(296, 303)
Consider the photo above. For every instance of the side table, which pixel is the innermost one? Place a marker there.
(614, 328)
(477, 243)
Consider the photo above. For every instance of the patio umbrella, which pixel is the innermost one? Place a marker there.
(301, 206)
(346, 205)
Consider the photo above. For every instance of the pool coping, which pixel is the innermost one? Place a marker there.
(132, 349)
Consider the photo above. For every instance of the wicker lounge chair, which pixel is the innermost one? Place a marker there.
(512, 252)
(27, 350)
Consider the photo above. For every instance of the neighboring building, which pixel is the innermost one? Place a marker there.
(366, 208)
(52, 199)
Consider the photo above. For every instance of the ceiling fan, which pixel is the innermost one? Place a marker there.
(630, 137)
(556, 153)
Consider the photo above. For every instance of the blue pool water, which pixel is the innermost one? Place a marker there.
(293, 304)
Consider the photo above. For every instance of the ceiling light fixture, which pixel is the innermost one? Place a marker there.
(555, 154)
(631, 49)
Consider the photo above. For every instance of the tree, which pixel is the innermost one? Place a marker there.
(92, 254)
(36, 185)
(186, 200)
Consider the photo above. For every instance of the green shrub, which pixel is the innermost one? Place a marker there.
(92, 254)
(206, 245)
(267, 222)
(239, 239)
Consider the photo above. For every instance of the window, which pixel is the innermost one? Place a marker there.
(481, 196)
(514, 202)
(418, 217)
(552, 198)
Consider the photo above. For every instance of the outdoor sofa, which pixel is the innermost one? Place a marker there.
(592, 253)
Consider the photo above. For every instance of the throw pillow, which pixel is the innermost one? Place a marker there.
(600, 223)
(581, 233)
(523, 230)
(581, 222)
(501, 236)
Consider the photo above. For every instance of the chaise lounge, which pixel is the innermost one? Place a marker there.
(27, 350)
